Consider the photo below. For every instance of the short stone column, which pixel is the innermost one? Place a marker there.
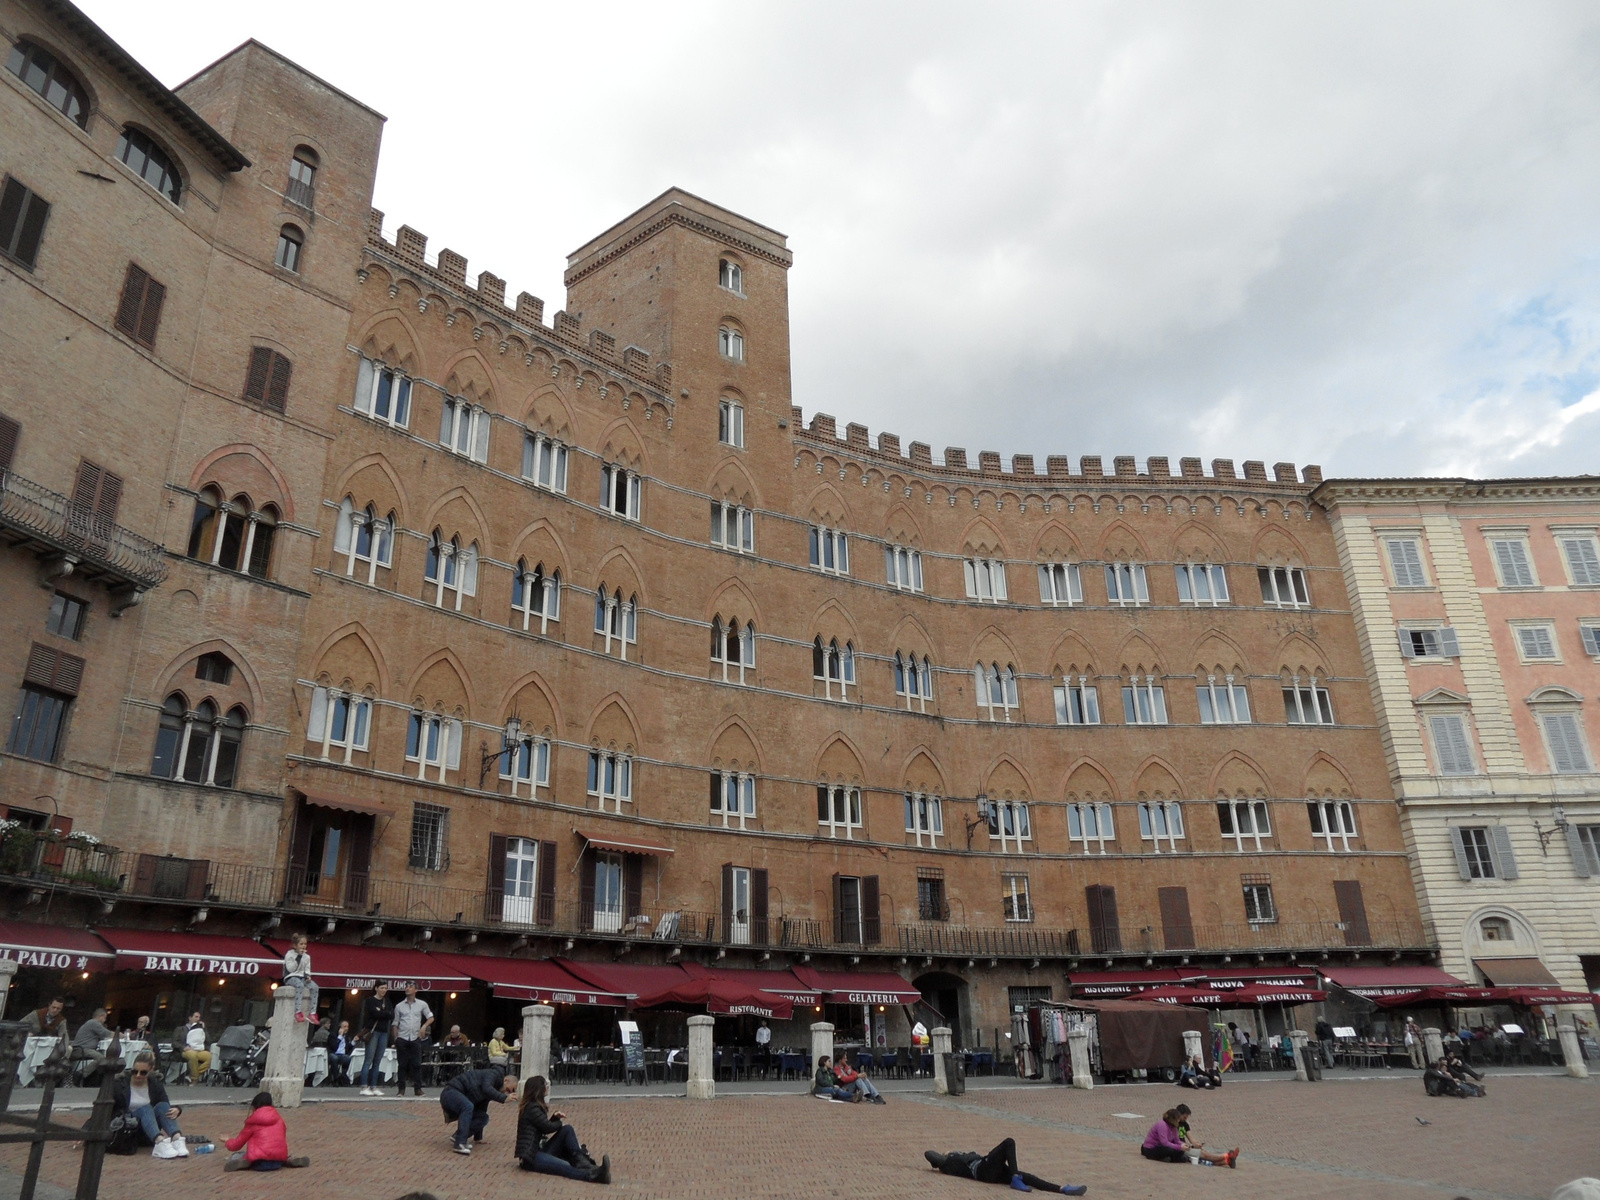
(286, 1052)
(821, 1044)
(1298, 1039)
(1191, 1045)
(941, 1047)
(536, 1020)
(702, 1080)
(1433, 1044)
(8, 972)
(1078, 1048)
(1572, 1052)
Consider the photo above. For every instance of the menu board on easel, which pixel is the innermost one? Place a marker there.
(632, 1047)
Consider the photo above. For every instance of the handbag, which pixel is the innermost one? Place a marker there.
(124, 1135)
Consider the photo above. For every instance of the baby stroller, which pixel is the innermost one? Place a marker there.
(240, 1062)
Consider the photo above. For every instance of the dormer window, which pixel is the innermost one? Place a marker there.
(731, 276)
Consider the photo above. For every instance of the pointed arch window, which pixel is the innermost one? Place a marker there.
(913, 679)
(535, 593)
(733, 648)
(902, 568)
(1077, 701)
(733, 527)
(986, 580)
(733, 798)
(1092, 826)
(616, 619)
(621, 491)
(339, 721)
(464, 429)
(830, 550)
(383, 393)
(433, 741)
(1060, 584)
(996, 689)
(610, 779)
(838, 810)
(1203, 584)
(1222, 701)
(1244, 823)
(544, 462)
(1161, 824)
(1144, 701)
(1009, 823)
(834, 666)
(200, 745)
(527, 765)
(730, 342)
(1307, 703)
(364, 538)
(452, 569)
(232, 534)
(1126, 585)
(925, 818)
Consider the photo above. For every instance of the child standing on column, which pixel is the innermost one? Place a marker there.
(297, 974)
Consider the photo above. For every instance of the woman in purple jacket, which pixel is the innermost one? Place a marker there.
(1164, 1144)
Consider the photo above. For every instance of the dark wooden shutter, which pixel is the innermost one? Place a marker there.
(199, 873)
(1176, 926)
(155, 295)
(547, 883)
(144, 875)
(299, 851)
(1352, 912)
(358, 871)
(822, 805)
(495, 890)
(586, 892)
(10, 434)
(255, 377)
(871, 930)
(838, 904)
(105, 504)
(132, 302)
(758, 906)
(51, 669)
(278, 385)
(96, 492)
(727, 902)
(1105, 936)
(632, 885)
(86, 485)
(56, 854)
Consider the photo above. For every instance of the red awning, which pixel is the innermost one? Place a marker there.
(1389, 981)
(1516, 972)
(622, 844)
(722, 996)
(53, 947)
(336, 965)
(624, 979)
(777, 983)
(1469, 996)
(343, 804)
(1179, 994)
(540, 980)
(1534, 996)
(1221, 978)
(191, 953)
(858, 987)
(1246, 997)
(1119, 983)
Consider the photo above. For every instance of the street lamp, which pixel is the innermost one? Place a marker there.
(513, 739)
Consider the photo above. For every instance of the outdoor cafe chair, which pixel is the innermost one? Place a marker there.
(902, 1063)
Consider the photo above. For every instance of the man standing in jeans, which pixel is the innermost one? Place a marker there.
(374, 1028)
(413, 1020)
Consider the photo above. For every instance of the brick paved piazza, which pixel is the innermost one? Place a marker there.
(1345, 1138)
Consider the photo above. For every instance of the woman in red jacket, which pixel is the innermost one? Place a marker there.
(263, 1143)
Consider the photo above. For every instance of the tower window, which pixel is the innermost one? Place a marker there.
(731, 276)
(290, 243)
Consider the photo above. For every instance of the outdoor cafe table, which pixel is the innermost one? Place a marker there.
(38, 1049)
(388, 1065)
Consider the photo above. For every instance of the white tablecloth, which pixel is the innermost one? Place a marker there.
(388, 1066)
(34, 1052)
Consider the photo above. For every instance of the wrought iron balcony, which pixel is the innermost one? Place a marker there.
(75, 540)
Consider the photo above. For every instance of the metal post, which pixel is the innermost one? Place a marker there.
(94, 1148)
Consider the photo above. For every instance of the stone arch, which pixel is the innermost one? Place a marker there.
(440, 683)
(1524, 941)
(983, 539)
(469, 374)
(620, 442)
(1138, 654)
(1214, 649)
(619, 570)
(991, 645)
(240, 467)
(1071, 653)
(1326, 779)
(1056, 543)
(351, 653)
(901, 528)
(390, 338)
(534, 703)
(614, 725)
(1156, 779)
(733, 747)
(355, 477)
(171, 678)
(729, 480)
(1005, 779)
(921, 772)
(1194, 542)
(457, 511)
(1087, 780)
(1238, 777)
(1121, 543)
(911, 634)
(540, 542)
(731, 598)
(547, 411)
(826, 506)
(828, 618)
(1299, 655)
(839, 761)
(1274, 546)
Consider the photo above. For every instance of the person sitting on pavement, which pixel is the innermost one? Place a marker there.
(86, 1044)
(263, 1143)
(997, 1166)
(1461, 1072)
(826, 1085)
(49, 1021)
(852, 1080)
(1436, 1081)
(466, 1099)
(139, 1092)
(1163, 1143)
(499, 1050)
(1194, 1075)
(1197, 1150)
(549, 1146)
(341, 1046)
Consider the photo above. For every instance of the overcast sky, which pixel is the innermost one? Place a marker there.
(1362, 236)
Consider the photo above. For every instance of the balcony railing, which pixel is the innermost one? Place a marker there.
(43, 859)
(50, 522)
(302, 194)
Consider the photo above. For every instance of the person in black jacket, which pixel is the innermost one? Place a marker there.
(1462, 1073)
(546, 1145)
(466, 1098)
(140, 1090)
(374, 1031)
(340, 1047)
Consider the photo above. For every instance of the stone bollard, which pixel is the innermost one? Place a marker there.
(941, 1047)
(1433, 1044)
(702, 1081)
(1298, 1039)
(8, 972)
(1572, 1052)
(286, 1052)
(1191, 1045)
(821, 1045)
(1078, 1047)
(536, 1020)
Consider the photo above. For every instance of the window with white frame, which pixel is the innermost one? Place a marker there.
(1222, 701)
(1475, 851)
(610, 779)
(733, 527)
(1307, 703)
(733, 649)
(1201, 584)
(1569, 753)
(1014, 900)
(1537, 642)
(1452, 748)
(1009, 823)
(730, 275)
(544, 462)
(1144, 701)
(527, 765)
(535, 593)
(1258, 906)
(1333, 823)
(363, 537)
(518, 895)
(1585, 845)
(730, 343)
(830, 550)
(902, 568)
(835, 666)
(199, 745)
(1244, 823)
(1126, 585)
(924, 818)
(1583, 558)
(730, 423)
(1060, 584)
(996, 689)
(1092, 826)
(620, 491)
(616, 619)
(1438, 642)
(338, 721)
(913, 680)
(1283, 587)
(383, 394)
(733, 798)
(986, 579)
(1405, 562)
(464, 429)
(1590, 635)
(1161, 824)
(433, 742)
(1077, 701)
(430, 845)
(838, 810)
(452, 569)
(1513, 562)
